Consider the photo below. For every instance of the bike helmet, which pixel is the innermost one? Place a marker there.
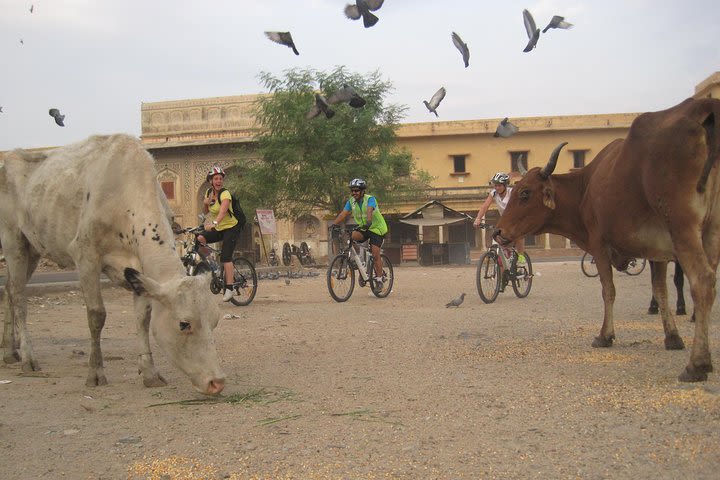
(358, 183)
(500, 177)
(215, 170)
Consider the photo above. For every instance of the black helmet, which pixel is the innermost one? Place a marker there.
(358, 183)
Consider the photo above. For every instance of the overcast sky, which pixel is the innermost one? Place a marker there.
(98, 60)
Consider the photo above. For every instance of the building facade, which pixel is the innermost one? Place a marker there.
(187, 137)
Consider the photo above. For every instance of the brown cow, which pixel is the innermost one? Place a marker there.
(653, 195)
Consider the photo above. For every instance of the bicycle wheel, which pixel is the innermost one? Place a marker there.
(245, 282)
(340, 278)
(286, 254)
(388, 279)
(636, 266)
(487, 277)
(522, 282)
(588, 266)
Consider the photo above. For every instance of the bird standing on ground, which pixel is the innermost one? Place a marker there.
(435, 101)
(462, 46)
(320, 106)
(362, 9)
(456, 302)
(283, 38)
(557, 22)
(55, 113)
(505, 129)
(533, 32)
(346, 94)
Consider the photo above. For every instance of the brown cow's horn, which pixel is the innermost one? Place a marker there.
(550, 167)
(521, 168)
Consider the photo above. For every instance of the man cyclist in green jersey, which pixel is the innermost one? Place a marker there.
(371, 224)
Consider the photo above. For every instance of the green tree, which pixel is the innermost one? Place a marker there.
(301, 164)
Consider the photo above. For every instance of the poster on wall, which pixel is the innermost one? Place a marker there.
(266, 220)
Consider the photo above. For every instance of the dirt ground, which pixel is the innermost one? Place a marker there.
(395, 388)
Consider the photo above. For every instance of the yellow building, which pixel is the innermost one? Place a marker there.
(186, 137)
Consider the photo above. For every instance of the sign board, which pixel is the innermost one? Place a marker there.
(266, 220)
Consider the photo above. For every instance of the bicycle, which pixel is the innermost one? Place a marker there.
(202, 258)
(497, 268)
(589, 268)
(357, 257)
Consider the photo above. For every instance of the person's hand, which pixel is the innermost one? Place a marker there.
(477, 222)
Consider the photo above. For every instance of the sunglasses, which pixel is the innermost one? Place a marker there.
(354, 190)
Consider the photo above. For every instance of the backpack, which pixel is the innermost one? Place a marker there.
(235, 209)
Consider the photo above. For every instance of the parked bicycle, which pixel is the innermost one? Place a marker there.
(303, 254)
(357, 257)
(498, 267)
(202, 258)
(589, 268)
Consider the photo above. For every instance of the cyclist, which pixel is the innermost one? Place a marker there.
(501, 195)
(224, 227)
(366, 212)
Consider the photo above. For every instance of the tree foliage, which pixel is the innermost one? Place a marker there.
(304, 164)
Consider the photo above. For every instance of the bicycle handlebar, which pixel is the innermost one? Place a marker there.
(485, 225)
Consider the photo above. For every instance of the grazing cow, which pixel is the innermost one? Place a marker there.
(96, 205)
(652, 195)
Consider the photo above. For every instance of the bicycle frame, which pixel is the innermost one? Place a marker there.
(362, 259)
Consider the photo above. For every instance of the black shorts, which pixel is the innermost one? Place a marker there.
(229, 238)
(375, 239)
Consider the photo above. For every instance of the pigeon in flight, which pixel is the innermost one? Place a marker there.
(533, 32)
(348, 95)
(362, 8)
(557, 22)
(505, 129)
(456, 302)
(462, 46)
(283, 38)
(320, 106)
(21, 42)
(435, 101)
(31, 8)
(0, 109)
(55, 113)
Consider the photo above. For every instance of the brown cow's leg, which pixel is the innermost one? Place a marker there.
(659, 284)
(146, 365)
(607, 332)
(702, 288)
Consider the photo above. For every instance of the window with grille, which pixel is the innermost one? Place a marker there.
(169, 189)
(578, 158)
(459, 164)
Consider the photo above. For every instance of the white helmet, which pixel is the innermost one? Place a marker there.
(215, 170)
(358, 183)
(500, 177)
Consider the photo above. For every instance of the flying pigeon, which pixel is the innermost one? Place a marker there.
(346, 94)
(533, 32)
(31, 8)
(462, 46)
(557, 22)
(435, 101)
(320, 106)
(55, 113)
(0, 109)
(283, 38)
(456, 302)
(21, 42)
(362, 9)
(505, 129)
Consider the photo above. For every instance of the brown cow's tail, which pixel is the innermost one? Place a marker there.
(713, 153)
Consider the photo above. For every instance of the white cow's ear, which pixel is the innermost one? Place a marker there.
(549, 198)
(142, 284)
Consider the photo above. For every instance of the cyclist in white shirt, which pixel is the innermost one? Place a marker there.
(501, 196)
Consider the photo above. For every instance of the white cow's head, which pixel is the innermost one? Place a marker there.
(182, 319)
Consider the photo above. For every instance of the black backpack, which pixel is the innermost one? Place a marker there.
(235, 209)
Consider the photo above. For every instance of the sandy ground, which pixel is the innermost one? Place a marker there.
(395, 388)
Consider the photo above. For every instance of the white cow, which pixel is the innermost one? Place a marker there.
(96, 205)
